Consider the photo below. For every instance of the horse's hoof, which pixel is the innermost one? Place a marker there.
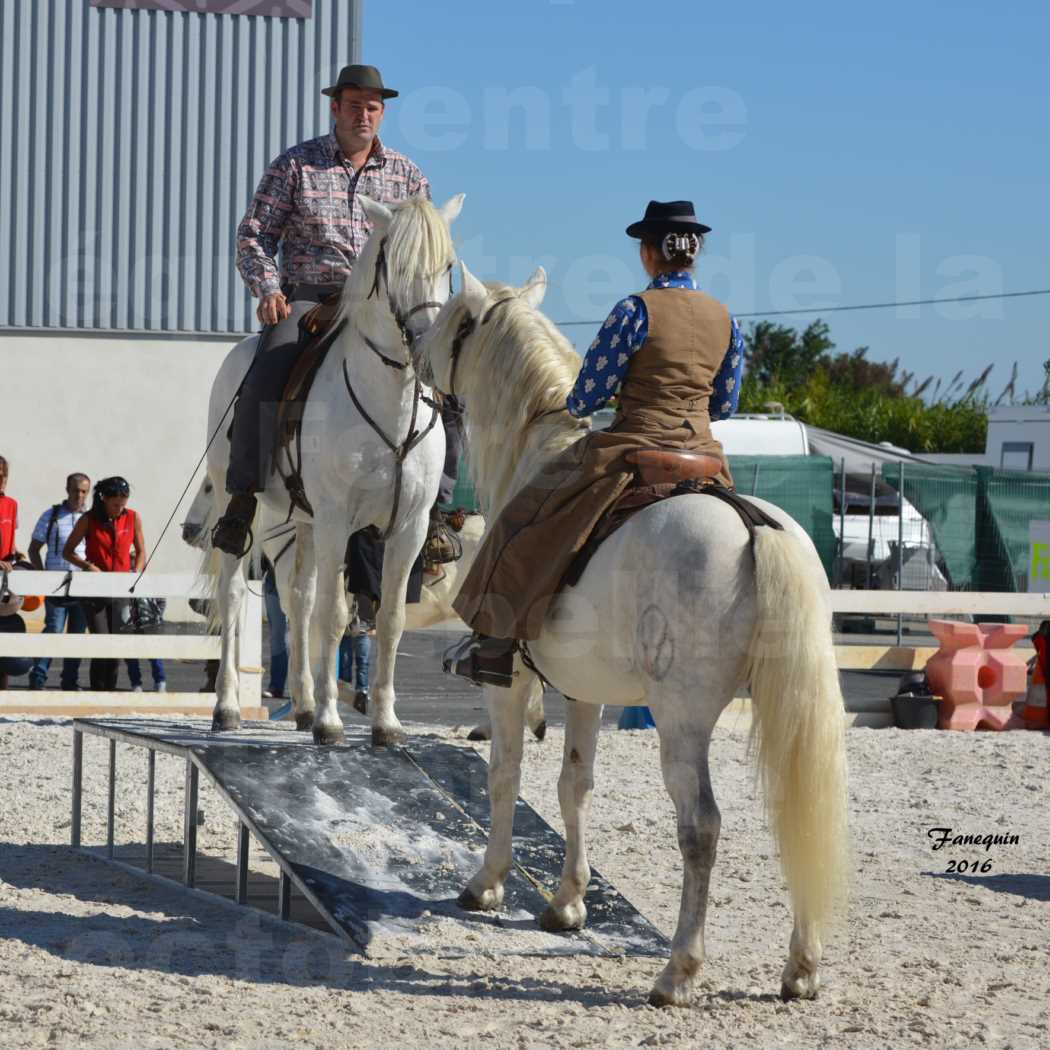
(551, 921)
(541, 730)
(225, 721)
(480, 733)
(327, 735)
(788, 994)
(387, 737)
(469, 902)
(660, 999)
(304, 721)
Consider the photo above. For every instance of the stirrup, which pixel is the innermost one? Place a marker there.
(482, 660)
(442, 545)
(232, 533)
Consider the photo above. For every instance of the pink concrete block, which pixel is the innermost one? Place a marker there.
(977, 673)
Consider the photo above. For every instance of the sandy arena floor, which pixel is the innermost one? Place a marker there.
(93, 957)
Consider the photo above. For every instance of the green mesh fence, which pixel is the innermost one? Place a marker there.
(980, 519)
(800, 485)
(803, 486)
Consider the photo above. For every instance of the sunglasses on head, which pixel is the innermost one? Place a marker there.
(113, 487)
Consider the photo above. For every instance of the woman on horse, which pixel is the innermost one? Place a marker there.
(674, 356)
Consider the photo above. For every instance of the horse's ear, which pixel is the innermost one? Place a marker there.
(535, 288)
(452, 207)
(377, 214)
(473, 292)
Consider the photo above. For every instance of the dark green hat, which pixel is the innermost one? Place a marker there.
(367, 77)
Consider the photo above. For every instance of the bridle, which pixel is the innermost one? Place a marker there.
(415, 435)
(465, 330)
(401, 320)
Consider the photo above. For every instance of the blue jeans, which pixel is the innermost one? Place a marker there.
(15, 666)
(59, 618)
(278, 635)
(355, 656)
(135, 672)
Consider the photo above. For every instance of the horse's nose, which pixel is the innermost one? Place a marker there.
(190, 532)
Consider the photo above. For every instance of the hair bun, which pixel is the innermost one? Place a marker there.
(679, 246)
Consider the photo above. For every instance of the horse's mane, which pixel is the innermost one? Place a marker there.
(417, 241)
(518, 367)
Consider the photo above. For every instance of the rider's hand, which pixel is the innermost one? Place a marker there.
(273, 308)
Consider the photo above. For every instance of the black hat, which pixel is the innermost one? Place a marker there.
(360, 77)
(667, 217)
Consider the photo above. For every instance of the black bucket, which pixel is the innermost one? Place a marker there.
(915, 712)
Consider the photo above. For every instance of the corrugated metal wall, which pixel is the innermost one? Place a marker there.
(130, 144)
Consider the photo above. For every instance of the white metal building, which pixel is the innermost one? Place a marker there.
(132, 134)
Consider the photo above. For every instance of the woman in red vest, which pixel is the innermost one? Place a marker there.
(110, 530)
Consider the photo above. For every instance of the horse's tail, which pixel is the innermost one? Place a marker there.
(208, 572)
(798, 725)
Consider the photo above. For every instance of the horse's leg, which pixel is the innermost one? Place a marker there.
(230, 596)
(398, 557)
(329, 623)
(575, 787)
(684, 743)
(535, 717)
(301, 591)
(506, 707)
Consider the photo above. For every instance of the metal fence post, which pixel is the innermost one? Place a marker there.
(78, 787)
(842, 521)
(871, 530)
(900, 544)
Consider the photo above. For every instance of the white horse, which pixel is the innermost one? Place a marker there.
(435, 605)
(675, 610)
(372, 450)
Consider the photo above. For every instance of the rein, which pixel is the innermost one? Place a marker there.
(412, 438)
(401, 320)
(466, 329)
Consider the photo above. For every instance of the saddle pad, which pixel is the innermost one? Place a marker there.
(637, 497)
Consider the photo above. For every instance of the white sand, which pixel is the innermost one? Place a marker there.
(93, 957)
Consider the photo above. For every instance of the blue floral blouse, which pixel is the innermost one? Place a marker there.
(623, 333)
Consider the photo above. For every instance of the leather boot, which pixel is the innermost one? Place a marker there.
(482, 660)
(232, 533)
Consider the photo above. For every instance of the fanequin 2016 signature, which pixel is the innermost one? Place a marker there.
(944, 837)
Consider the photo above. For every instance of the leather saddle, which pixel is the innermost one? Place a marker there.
(664, 473)
(315, 329)
(660, 466)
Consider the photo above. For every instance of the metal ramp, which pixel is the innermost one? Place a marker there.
(379, 842)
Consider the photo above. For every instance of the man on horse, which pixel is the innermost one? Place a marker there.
(306, 208)
(674, 357)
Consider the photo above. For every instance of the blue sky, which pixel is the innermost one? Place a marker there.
(842, 154)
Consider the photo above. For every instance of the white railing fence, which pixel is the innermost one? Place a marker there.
(131, 646)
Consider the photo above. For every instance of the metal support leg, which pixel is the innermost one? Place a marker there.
(78, 788)
(151, 781)
(284, 896)
(243, 842)
(189, 826)
(112, 801)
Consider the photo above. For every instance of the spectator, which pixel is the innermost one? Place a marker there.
(355, 650)
(278, 636)
(60, 614)
(156, 667)
(12, 623)
(9, 552)
(111, 529)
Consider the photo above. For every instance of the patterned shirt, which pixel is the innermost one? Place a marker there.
(623, 333)
(65, 521)
(306, 203)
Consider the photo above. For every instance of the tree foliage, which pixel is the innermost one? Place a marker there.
(847, 393)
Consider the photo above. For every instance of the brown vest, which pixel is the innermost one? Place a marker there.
(670, 380)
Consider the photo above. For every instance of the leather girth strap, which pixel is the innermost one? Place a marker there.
(637, 497)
